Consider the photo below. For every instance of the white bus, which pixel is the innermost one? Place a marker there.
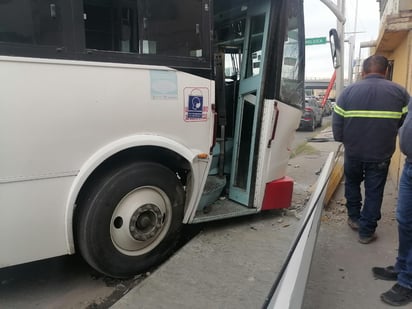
(122, 120)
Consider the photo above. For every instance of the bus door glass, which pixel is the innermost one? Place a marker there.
(248, 100)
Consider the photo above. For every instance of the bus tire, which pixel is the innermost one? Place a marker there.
(130, 219)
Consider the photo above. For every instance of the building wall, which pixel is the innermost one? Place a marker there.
(395, 42)
(402, 57)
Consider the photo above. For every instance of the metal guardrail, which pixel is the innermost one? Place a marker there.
(289, 288)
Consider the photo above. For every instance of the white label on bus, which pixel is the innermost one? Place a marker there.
(163, 85)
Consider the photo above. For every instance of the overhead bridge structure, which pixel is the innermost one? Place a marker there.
(317, 87)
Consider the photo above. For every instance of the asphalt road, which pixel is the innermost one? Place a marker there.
(66, 282)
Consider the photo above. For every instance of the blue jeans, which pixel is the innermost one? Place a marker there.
(404, 218)
(374, 176)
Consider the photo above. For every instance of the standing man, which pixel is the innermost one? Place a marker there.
(401, 293)
(366, 120)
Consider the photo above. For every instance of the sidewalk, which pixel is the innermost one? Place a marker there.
(341, 274)
(233, 263)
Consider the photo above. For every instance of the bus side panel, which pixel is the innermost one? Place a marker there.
(55, 114)
(279, 124)
(32, 220)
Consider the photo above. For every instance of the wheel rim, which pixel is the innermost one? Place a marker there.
(141, 220)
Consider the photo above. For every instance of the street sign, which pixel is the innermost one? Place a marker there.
(315, 41)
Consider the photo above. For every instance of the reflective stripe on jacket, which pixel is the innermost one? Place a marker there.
(370, 114)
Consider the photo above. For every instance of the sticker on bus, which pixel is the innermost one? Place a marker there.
(163, 85)
(196, 104)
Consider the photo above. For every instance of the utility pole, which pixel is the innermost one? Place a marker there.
(351, 41)
(339, 11)
(340, 27)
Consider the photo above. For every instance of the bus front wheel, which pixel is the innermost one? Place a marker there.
(130, 219)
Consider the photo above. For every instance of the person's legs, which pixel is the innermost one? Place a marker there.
(404, 218)
(401, 293)
(375, 180)
(353, 170)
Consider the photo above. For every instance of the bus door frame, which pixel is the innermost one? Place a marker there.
(249, 86)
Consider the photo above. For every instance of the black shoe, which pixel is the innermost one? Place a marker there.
(367, 239)
(354, 224)
(397, 296)
(385, 273)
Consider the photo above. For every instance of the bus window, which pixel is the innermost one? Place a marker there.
(232, 63)
(111, 25)
(255, 45)
(256, 58)
(35, 22)
(291, 88)
(172, 28)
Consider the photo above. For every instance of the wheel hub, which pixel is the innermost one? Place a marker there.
(145, 222)
(141, 220)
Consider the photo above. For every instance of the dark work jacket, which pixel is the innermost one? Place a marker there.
(405, 135)
(367, 117)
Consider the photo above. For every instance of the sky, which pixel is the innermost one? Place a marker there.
(319, 20)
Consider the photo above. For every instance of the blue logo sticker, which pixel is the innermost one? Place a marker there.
(195, 106)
